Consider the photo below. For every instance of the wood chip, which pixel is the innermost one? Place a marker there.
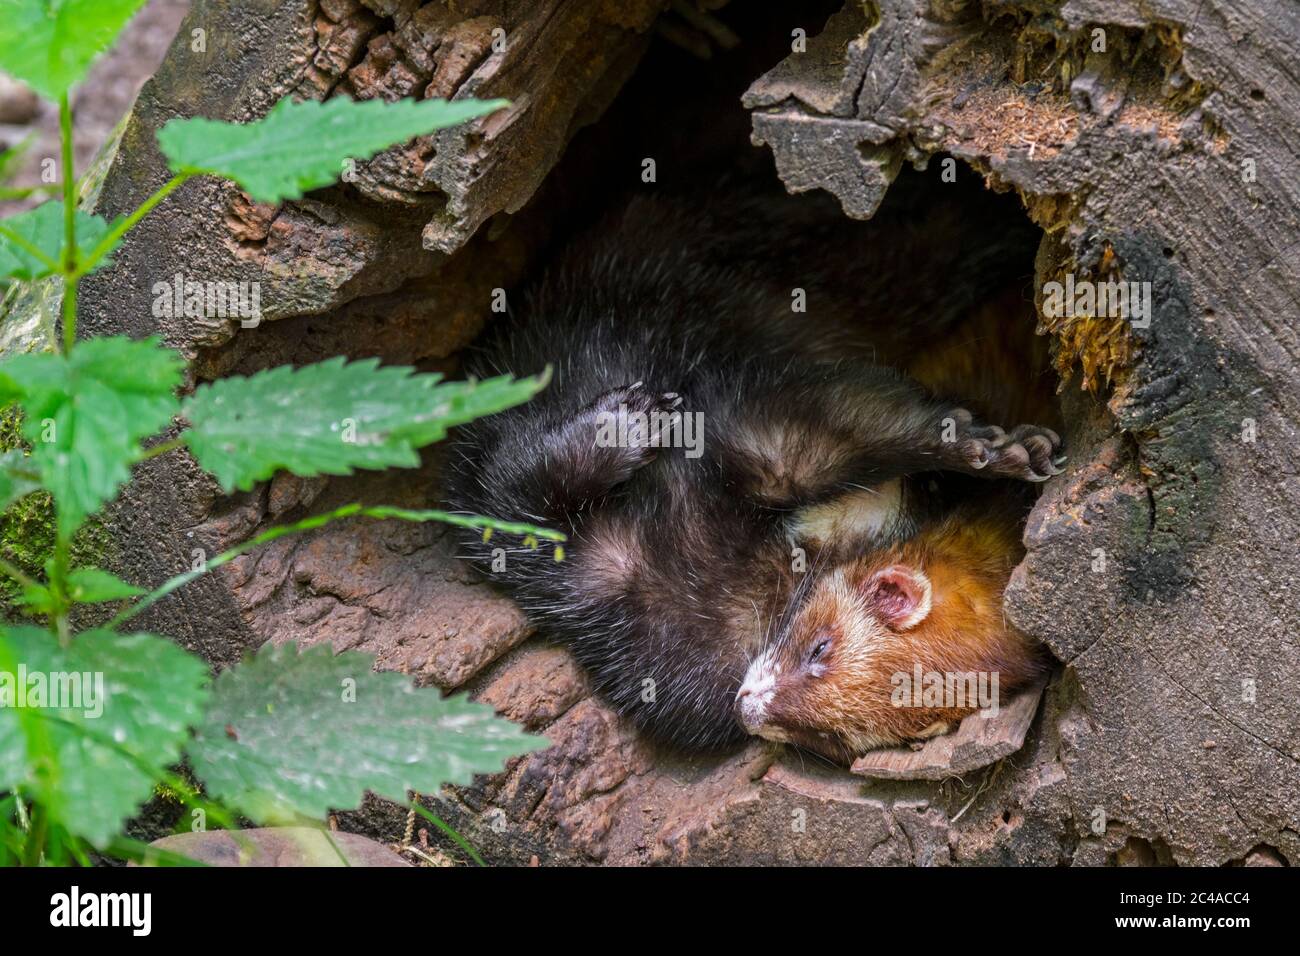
(978, 742)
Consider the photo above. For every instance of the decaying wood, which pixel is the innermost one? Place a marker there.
(976, 743)
(1156, 565)
(398, 216)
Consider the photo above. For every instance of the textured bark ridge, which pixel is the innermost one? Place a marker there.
(1158, 566)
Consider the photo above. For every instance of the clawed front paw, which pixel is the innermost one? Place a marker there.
(1027, 452)
(633, 417)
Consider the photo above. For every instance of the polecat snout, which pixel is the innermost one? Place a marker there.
(899, 644)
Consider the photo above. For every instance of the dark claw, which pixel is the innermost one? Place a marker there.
(1027, 452)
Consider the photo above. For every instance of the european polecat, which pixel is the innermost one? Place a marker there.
(897, 644)
(688, 312)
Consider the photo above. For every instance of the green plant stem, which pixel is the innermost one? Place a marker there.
(477, 522)
(62, 629)
(124, 226)
(62, 543)
(161, 448)
(180, 580)
(338, 850)
(58, 569)
(450, 831)
(69, 227)
(307, 524)
(69, 312)
(19, 192)
(35, 836)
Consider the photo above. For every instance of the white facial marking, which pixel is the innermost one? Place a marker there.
(756, 693)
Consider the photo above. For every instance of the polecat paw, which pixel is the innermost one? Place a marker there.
(641, 419)
(1027, 452)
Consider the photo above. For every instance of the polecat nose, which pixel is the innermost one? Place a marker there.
(741, 699)
(751, 708)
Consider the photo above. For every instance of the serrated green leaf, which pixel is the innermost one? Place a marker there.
(456, 403)
(300, 146)
(93, 586)
(300, 734)
(86, 414)
(92, 764)
(17, 477)
(42, 227)
(49, 44)
(331, 418)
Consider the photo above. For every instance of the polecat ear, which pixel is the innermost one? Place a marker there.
(900, 595)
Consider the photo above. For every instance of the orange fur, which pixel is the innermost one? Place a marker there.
(995, 362)
(848, 706)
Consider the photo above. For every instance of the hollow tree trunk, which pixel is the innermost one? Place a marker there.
(1159, 565)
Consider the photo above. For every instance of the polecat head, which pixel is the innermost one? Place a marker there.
(824, 683)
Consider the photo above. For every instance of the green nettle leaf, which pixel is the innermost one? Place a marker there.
(114, 710)
(332, 417)
(86, 413)
(455, 403)
(49, 44)
(300, 734)
(92, 586)
(303, 145)
(42, 227)
(18, 477)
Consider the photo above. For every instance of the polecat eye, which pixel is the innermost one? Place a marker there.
(818, 650)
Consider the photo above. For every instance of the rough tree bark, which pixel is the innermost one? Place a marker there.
(1158, 566)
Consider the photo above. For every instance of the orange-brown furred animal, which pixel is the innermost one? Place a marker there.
(897, 644)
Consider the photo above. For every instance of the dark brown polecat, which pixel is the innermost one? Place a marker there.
(897, 644)
(676, 324)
